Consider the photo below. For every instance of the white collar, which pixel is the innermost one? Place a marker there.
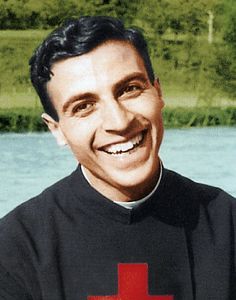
(136, 203)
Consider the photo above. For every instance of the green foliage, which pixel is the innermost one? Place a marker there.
(176, 31)
(28, 120)
(201, 117)
(179, 15)
(23, 14)
(21, 120)
(225, 70)
(225, 55)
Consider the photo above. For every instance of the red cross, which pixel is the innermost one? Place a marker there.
(132, 284)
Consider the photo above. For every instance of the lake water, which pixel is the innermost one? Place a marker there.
(31, 162)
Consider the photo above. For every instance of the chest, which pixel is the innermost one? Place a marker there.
(134, 261)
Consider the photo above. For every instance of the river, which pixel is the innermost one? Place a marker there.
(31, 162)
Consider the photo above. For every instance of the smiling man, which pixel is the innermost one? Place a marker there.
(110, 115)
(121, 226)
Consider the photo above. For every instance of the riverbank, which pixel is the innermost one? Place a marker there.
(29, 120)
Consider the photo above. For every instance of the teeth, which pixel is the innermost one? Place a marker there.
(124, 147)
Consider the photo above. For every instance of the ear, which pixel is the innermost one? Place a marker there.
(157, 86)
(55, 129)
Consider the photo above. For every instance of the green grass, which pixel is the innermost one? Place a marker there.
(17, 99)
(16, 48)
(185, 85)
(23, 34)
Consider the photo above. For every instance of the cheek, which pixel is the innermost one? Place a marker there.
(150, 110)
(78, 134)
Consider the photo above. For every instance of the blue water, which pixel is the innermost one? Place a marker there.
(31, 162)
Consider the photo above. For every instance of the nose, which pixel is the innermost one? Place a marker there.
(116, 117)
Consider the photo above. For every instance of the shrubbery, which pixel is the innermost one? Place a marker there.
(21, 120)
(28, 120)
(201, 117)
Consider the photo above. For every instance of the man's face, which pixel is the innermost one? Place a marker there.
(110, 116)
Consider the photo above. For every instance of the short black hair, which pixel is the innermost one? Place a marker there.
(77, 37)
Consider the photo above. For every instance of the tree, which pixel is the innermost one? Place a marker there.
(225, 63)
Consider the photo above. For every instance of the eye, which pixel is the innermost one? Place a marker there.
(131, 90)
(83, 108)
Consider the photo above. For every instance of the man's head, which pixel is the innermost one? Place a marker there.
(108, 107)
(78, 37)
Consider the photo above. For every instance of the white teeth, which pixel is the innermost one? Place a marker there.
(124, 147)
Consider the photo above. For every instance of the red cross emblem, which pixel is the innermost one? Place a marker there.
(132, 284)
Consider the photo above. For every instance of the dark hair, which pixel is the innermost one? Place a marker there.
(77, 37)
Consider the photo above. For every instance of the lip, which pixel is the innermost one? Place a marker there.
(123, 141)
(129, 160)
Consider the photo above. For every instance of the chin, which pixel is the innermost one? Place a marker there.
(140, 177)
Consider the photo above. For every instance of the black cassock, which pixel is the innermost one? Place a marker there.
(72, 243)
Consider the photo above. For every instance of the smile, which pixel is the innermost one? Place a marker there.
(120, 148)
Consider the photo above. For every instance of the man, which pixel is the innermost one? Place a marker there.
(121, 226)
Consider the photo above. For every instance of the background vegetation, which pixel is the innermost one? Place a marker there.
(28, 119)
(195, 70)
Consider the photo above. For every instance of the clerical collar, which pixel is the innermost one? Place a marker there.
(136, 203)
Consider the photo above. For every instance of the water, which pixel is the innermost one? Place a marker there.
(31, 162)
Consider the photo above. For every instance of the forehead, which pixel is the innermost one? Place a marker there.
(94, 71)
(109, 54)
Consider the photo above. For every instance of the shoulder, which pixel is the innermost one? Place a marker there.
(185, 200)
(30, 229)
(198, 191)
(35, 214)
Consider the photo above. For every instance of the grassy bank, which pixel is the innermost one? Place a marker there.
(181, 78)
(28, 120)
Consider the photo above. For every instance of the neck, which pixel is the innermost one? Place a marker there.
(123, 194)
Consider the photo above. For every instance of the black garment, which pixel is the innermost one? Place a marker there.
(69, 242)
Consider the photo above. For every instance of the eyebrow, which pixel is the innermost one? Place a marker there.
(117, 86)
(134, 76)
(75, 98)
